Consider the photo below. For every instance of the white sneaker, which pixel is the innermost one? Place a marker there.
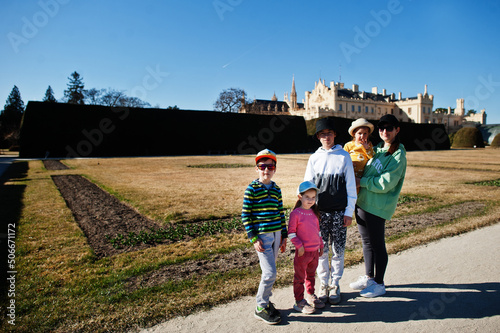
(362, 282)
(334, 295)
(323, 293)
(373, 291)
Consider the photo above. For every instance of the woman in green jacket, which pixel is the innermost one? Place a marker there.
(378, 196)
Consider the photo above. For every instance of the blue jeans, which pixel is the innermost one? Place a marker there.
(267, 259)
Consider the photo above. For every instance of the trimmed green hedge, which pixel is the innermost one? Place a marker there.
(68, 130)
(496, 141)
(413, 136)
(468, 137)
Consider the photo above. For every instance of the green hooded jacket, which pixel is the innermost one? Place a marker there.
(382, 182)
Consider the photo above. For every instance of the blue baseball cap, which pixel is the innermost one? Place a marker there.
(305, 186)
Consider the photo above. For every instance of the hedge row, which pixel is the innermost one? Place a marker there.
(413, 136)
(68, 130)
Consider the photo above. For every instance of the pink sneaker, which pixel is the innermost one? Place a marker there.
(303, 307)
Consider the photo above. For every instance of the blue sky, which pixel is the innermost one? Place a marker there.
(186, 52)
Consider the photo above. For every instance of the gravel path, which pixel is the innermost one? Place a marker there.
(451, 285)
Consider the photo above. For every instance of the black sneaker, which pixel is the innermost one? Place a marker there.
(269, 315)
(273, 310)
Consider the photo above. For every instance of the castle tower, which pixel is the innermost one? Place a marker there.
(460, 110)
(293, 95)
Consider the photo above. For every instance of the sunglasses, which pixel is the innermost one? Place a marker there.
(388, 128)
(268, 166)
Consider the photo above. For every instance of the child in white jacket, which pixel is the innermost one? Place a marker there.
(330, 168)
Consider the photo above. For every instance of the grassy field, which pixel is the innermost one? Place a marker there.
(61, 286)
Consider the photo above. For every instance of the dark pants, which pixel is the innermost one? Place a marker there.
(372, 231)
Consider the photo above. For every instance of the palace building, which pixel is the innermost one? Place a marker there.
(336, 100)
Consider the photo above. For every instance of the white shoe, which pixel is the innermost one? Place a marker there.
(362, 282)
(323, 293)
(334, 295)
(373, 291)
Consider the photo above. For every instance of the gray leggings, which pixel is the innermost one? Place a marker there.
(372, 231)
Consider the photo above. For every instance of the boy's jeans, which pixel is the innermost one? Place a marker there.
(267, 259)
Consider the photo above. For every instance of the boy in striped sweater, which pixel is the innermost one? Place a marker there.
(264, 221)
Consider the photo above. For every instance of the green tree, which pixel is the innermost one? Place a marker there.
(10, 119)
(440, 110)
(49, 96)
(75, 94)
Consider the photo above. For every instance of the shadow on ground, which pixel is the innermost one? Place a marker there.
(408, 302)
(11, 195)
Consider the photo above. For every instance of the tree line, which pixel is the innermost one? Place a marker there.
(75, 93)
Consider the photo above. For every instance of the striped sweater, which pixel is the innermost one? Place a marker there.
(263, 210)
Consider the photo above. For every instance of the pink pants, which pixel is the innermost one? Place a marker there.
(305, 271)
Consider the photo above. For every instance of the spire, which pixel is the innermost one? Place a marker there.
(274, 99)
(294, 93)
(293, 96)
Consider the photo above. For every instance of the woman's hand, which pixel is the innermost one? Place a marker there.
(347, 221)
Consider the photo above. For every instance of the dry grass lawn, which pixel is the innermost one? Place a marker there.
(167, 189)
(62, 287)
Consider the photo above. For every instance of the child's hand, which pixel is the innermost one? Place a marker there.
(283, 245)
(258, 246)
(321, 251)
(301, 251)
(365, 144)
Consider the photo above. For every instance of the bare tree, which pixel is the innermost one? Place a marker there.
(93, 96)
(229, 100)
(112, 97)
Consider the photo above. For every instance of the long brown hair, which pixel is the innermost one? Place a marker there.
(314, 208)
(395, 144)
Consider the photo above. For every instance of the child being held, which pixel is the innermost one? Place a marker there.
(303, 231)
(360, 148)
